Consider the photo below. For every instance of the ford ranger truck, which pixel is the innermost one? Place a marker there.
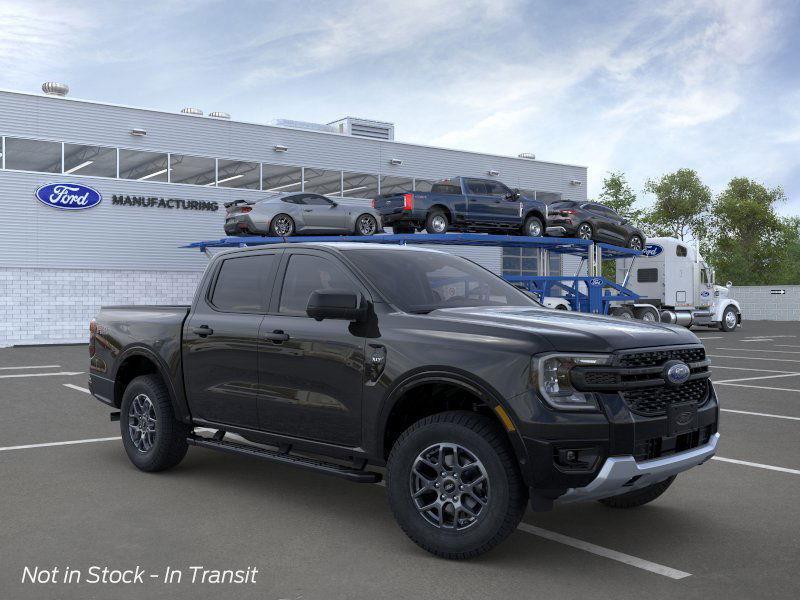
(358, 359)
(464, 204)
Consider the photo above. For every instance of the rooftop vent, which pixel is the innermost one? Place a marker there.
(192, 111)
(303, 125)
(51, 88)
(527, 155)
(377, 130)
(219, 115)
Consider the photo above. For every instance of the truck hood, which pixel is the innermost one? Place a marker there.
(573, 332)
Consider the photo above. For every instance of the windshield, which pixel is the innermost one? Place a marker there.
(419, 282)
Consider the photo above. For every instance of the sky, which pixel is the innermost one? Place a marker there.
(639, 87)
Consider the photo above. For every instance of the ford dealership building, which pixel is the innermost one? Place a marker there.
(120, 189)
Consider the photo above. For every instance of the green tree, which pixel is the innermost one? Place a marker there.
(681, 205)
(618, 195)
(749, 243)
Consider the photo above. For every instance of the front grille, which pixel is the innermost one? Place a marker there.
(659, 357)
(601, 378)
(653, 401)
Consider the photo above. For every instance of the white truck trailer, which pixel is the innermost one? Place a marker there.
(676, 286)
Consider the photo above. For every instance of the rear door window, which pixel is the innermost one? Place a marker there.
(242, 283)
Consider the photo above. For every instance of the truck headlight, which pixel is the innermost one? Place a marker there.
(551, 374)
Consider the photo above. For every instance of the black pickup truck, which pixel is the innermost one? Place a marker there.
(342, 356)
(464, 204)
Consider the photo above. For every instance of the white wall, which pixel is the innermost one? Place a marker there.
(760, 304)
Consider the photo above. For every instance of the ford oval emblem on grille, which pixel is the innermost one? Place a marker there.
(676, 372)
(684, 418)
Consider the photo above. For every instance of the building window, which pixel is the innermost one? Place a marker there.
(359, 185)
(237, 174)
(396, 185)
(194, 170)
(143, 166)
(520, 261)
(33, 155)
(321, 181)
(96, 161)
(280, 178)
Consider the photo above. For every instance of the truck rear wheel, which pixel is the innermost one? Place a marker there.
(153, 438)
(436, 222)
(639, 497)
(533, 227)
(454, 486)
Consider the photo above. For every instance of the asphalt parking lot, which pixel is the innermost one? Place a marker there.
(730, 528)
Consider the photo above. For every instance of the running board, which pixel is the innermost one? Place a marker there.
(349, 473)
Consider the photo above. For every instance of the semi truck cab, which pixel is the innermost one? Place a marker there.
(676, 286)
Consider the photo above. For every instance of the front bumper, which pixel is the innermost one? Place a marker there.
(623, 474)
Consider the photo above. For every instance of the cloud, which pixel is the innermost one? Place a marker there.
(38, 37)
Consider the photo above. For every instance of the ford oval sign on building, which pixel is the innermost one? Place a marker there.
(68, 196)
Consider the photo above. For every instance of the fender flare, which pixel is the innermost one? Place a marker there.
(722, 306)
(485, 392)
(178, 399)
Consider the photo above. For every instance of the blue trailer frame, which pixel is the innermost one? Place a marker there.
(589, 293)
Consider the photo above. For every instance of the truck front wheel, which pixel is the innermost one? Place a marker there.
(729, 319)
(454, 486)
(153, 438)
(639, 497)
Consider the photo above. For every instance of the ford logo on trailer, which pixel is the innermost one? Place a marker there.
(596, 282)
(68, 196)
(652, 250)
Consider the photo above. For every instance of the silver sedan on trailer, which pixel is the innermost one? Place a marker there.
(287, 214)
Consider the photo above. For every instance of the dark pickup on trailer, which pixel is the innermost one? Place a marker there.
(464, 204)
(336, 357)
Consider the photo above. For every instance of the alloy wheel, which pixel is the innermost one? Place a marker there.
(142, 423)
(730, 319)
(449, 486)
(635, 243)
(585, 232)
(367, 225)
(534, 228)
(439, 223)
(283, 226)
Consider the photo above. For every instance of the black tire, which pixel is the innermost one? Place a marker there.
(169, 439)
(636, 242)
(638, 497)
(533, 227)
(584, 231)
(361, 228)
(506, 497)
(403, 229)
(434, 220)
(649, 315)
(729, 323)
(277, 220)
(622, 312)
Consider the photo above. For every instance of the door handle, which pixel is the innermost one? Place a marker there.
(203, 330)
(308, 210)
(277, 336)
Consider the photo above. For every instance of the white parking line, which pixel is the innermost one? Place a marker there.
(787, 346)
(754, 358)
(40, 374)
(758, 465)
(759, 377)
(67, 443)
(756, 414)
(31, 367)
(639, 563)
(758, 340)
(758, 387)
(77, 387)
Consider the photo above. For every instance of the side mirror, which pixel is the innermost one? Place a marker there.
(336, 304)
(729, 285)
(334, 204)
